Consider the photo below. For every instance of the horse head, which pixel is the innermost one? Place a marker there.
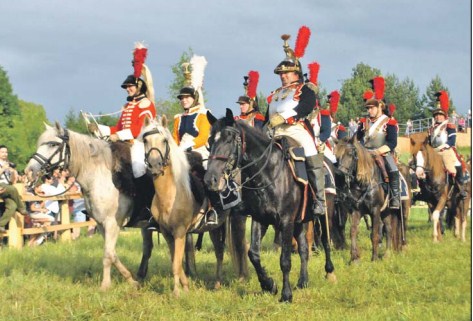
(157, 140)
(225, 152)
(419, 143)
(52, 152)
(347, 157)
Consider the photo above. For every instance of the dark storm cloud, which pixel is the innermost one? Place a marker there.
(75, 55)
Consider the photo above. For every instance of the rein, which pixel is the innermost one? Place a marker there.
(232, 166)
(47, 167)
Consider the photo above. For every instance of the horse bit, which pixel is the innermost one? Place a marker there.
(164, 158)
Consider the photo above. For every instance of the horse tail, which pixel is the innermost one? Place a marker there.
(235, 227)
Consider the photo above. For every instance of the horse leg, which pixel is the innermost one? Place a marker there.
(387, 221)
(176, 245)
(376, 217)
(287, 231)
(238, 248)
(329, 268)
(437, 234)
(216, 235)
(111, 231)
(257, 232)
(310, 235)
(303, 251)
(190, 267)
(147, 236)
(355, 220)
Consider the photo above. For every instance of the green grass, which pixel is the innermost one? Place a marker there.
(59, 281)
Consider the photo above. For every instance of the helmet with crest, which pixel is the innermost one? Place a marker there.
(291, 62)
(250, 86)
(141, 77)
(193, 79)
(376, 97)
(442, 103)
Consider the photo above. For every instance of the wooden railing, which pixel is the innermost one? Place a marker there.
(16, 227)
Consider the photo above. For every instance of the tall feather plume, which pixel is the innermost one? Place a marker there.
(139, 56)
(392, 109)
(333, 101)
(198, 64)
(252, 83)
(443, 99)
(368, 95)
(302, 41)
(378, 87)
(314, 68)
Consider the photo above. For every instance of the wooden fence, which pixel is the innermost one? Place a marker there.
(16, 227)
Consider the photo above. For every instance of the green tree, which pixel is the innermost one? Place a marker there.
(26, 129)
(9, 107)
(430, 101)
(405, 96)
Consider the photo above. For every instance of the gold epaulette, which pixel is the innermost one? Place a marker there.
(312, 87)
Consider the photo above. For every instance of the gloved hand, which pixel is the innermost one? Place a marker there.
(420, 172)
(92, 127)
(114, 138)
(276, 120)
(320, 148)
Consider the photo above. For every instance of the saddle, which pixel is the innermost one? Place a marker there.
(122, 172)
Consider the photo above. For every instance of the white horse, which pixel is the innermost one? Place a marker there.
(89, 160)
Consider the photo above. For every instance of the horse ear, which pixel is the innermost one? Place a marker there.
(211, 118)
(47, 125)
(59, 128)
(229, 120)
(147, 121)
(164, 121)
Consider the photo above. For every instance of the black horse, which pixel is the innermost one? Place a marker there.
(365, 194)
(269, 193)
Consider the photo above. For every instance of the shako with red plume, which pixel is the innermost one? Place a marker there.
(378, 87)
(391, 109)
(333, 100)
(368, 95)
(314, 68)
(251, 87)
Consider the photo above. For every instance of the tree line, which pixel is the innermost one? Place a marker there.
(22, 122)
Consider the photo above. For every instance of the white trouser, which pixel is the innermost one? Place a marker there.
(138, 159)
(300, 135)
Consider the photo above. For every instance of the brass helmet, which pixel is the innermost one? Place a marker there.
(291, 62)
(442, 103)
(193, 79)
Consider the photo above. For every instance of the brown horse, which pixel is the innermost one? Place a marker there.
(436, 188)
(175, 208)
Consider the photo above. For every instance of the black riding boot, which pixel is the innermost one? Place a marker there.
(460, 178)
(211, 216)
(144, 192)
(315, 174)
(395, 201)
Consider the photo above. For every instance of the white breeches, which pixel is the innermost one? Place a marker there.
(300, 135)
(138, 159)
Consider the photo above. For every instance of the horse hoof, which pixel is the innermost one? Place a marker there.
(176, 293)
(331, 277)
(217, 285)
(134, 284)
(286, 300)
(355, 261)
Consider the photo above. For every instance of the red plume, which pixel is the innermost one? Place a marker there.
(139, 57)
(392, 109)
(443, 99)
(378, 87)
(253, 77)
(302, 41)
(314, 68)
(368, 95)
(334, 100)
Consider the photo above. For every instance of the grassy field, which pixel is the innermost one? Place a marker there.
(58, 281)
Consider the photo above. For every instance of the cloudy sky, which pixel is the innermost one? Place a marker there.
(75, 54)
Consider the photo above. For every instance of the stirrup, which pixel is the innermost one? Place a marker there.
(208, 214)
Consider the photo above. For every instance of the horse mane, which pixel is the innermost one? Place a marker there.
(178, 158)
(366, 165)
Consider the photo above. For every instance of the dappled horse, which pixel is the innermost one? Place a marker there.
(364, 194)
(269, 193)
(90, 161)
(175, 208)
(436, 189)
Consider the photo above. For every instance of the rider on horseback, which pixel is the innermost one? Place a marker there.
(378, 133)
(288, 109)
(442, 137)
(192, 128)
(249, 102)
(140, 104)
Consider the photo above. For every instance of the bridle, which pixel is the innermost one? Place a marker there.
(164, 157)
(233, 168)
(63, 150)
(47, 166)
